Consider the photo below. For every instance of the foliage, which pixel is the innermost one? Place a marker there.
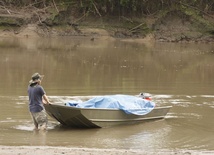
(119, 7)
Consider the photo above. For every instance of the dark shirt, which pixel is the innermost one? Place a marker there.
(35, 94)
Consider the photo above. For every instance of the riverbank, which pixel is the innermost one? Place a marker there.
(174, 25)
(47, 150)
(30, 32)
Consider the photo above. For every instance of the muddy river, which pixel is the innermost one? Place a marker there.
(177, 74)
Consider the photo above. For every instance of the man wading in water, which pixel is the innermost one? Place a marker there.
(37, 98)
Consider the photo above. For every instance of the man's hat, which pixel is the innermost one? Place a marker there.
(35, 77)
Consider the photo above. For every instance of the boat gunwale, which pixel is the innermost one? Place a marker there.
(126, 120)
(77, 108)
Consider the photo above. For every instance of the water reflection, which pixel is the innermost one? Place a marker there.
(108, 67)
(38, 138)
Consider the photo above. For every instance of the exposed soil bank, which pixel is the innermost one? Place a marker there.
(168, 26)
(45, 150)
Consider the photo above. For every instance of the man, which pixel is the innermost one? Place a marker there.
(37, 97)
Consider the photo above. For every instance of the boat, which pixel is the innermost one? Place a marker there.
(99, 117)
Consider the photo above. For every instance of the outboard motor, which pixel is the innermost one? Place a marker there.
(146, 96)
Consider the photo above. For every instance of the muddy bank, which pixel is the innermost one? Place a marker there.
(166, 26)
(46, 150)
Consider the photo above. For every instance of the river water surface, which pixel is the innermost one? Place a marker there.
(180, 75)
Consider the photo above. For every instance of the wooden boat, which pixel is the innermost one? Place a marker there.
(97, 117)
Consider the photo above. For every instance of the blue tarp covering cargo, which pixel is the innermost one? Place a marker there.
(129, 104)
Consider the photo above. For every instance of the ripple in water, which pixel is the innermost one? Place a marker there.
(29, 126)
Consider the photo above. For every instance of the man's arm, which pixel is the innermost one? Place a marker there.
(45, 99)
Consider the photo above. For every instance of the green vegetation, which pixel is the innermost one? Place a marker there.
(117, 7)
(123, 17)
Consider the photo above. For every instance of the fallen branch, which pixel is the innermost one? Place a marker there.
(196, 9)
(38, 17)
(96, 9)
(8, 11)
(127, 19)
(32, 4)
(80, 18)
(55, 6)
(135, 27)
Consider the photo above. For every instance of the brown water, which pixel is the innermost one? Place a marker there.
(180, 75)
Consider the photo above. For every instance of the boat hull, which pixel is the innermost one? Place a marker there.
(95, 117)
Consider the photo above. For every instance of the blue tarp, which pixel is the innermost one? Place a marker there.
(129, 104)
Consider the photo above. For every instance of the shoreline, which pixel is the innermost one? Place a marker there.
(33, 31)
(50, 150)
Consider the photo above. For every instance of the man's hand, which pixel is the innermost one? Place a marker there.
(45, 99)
